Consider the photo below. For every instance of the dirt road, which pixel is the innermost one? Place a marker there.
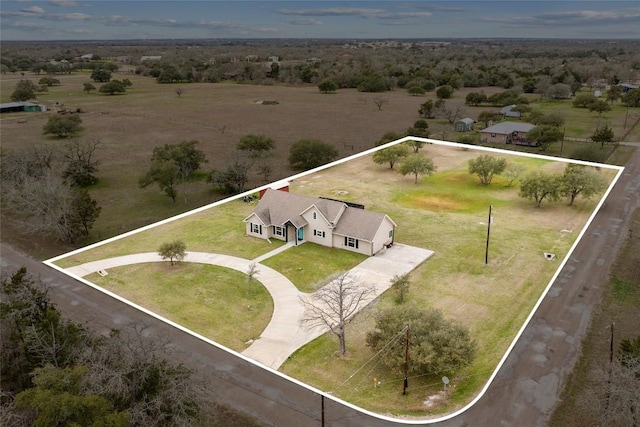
(522, 394)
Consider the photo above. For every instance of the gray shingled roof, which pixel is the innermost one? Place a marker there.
(279, 207)
(509, 127)
(359, 223)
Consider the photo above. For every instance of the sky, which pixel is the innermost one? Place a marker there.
(209, 19)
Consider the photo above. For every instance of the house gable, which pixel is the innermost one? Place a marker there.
(323, 221)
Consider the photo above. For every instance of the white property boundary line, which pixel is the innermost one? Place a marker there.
(620, 169)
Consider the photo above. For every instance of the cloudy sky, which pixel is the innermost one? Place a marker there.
(174, 19)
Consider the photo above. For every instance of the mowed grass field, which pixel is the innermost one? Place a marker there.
(215, 302)
(446, 213)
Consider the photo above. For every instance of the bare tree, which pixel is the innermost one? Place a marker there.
(252, 272)
(334, 305)
(451, 114)
(614, 400)
(380, 101)
(47, 206)
(179, 91)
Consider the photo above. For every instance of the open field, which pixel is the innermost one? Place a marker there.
(129, 126)
(446, 213)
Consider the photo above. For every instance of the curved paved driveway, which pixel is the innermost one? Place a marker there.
(285, 332)
(282, 336)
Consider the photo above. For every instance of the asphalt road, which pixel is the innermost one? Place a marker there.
(522, 394)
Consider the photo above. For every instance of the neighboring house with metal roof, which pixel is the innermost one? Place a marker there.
(507, 133)
(508, 111)
(297, 218)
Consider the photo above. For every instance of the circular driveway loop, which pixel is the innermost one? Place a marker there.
(285, 333)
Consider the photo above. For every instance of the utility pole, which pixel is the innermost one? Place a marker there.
(611, 344)
(486, 253)
(406, 362)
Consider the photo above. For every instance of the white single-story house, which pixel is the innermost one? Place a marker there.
(297, 218)
(464, 125)
(507, 133)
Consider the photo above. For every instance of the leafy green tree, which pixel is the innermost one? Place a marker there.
(420, 128)
(49, 81)
(170, 74)
(485, 167)
(553, 119)
(629, 350)
(427, 109)
(257, 146)
(583, 100)
(112, 87)
(57, 400)
(603, 134)
(386, 138)
(85, 210)
(36, 333)
(513, 171)
(327, 86)
(401, 284)
(539, 185)
(579, 181)
(475, 98)
(599, 106)
(307, 154)
(558, 91)
(174, 251)
(614, 93)
(416, 91)
(487, 116)
(632, 98)
(575, 87)
(24, 90)
(172, 165)
(589, 153)
(165, 174)
(390, 155)
(436, 345)
(101, 75)
(373, 83)
(545, 136)
(417, 164)
(444, 92)
(63, 126)
(88, 87)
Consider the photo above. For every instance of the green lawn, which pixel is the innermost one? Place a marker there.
(215, 302)
(218, 230)
(446, 213)
(307, 276)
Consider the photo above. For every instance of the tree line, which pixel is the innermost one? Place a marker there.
(59, 373)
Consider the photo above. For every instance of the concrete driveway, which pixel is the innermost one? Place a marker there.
(285, 332)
